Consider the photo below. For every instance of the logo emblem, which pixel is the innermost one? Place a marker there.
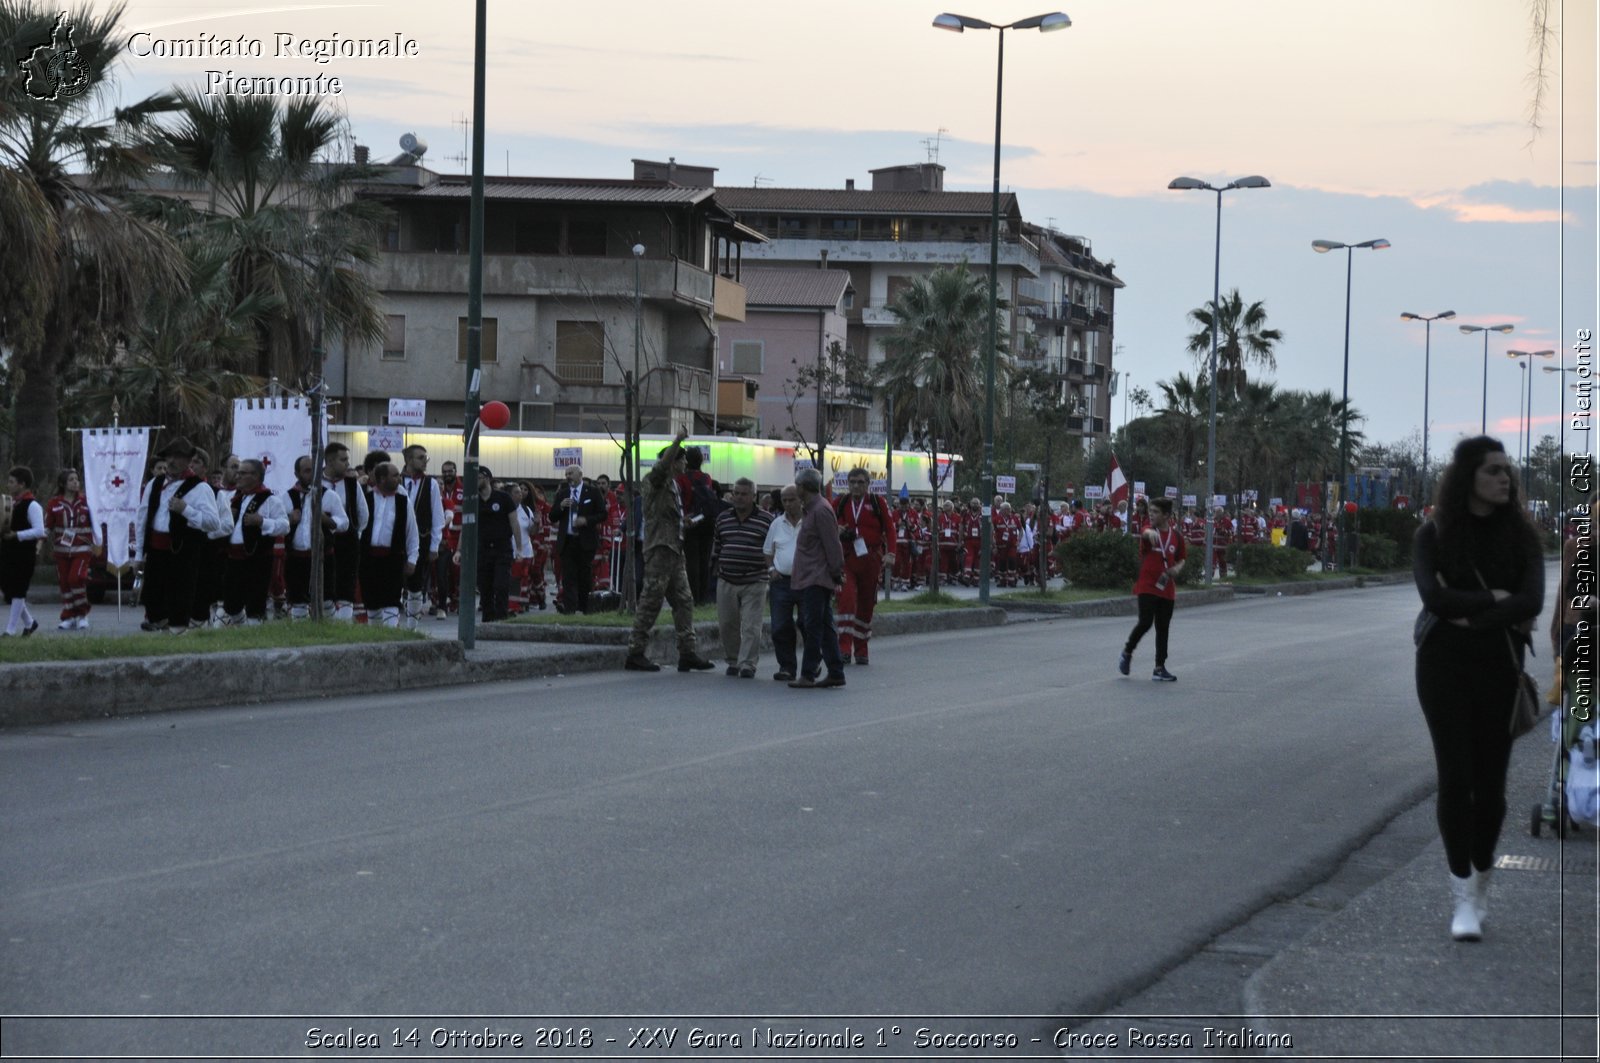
(115, 480)
(56, 71)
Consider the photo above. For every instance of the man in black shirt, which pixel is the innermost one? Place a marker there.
(496, 511)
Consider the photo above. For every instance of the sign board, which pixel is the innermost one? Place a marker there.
(568, 456)
(1027, 466)
(943, 477)
(1218, 500)
(879, 487)
(408, 411)
(841, 482)
(385, 437)
(1189, 501)
(275, 432)
(1250, 495)
(1138, 487)
(1094, 491)
(1170, 492)
(1005, 485)
(1275, 503)
(801, 464)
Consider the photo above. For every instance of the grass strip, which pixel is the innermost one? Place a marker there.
(209, 640)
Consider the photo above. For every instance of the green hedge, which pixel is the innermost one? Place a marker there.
(1100, 559)
(1380, 552)
(1398, 526)
(1265, 561)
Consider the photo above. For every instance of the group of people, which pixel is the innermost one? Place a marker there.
(64, 521)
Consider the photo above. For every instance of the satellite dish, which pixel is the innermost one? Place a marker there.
(413, 145)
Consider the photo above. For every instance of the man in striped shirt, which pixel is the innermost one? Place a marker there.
(738, 559)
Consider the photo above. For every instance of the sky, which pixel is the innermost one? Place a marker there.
(1405, 121)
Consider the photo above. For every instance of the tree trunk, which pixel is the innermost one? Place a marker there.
(38, 419)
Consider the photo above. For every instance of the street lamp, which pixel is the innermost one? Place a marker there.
(960, 24)
(1561, 451)
(473, 401)
(1467, 330)
(1322, 247)
(1527, 410)
(1427, 349)
(1193, 184)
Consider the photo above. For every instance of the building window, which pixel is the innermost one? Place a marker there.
(586, 236)
(490, 350)
(895, 287)
(746, 357)
(581, 352)
(792, 228)
(839, 228)
(394, 337)
(391, 235)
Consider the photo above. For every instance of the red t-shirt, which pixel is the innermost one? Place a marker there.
(1153, 561)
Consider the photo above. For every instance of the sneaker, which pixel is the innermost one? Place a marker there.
(1161, 675)
(747, 673)
(640, 663)
(861, 660)
(67, 624)
(83, 623)
(733, 670)
(147, 625)
(695, 663)
(1124, 662)
(831, 681)
(783, 677)
(805, 682)
(30, 629)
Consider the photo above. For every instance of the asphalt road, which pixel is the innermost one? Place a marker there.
(984, 823)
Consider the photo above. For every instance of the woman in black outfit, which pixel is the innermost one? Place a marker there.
(1480, 571)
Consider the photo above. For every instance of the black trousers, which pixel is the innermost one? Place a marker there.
(577, 574)
(421, 580)
(697, 562)
(382, 579)
(297, 577)
(1153, 609)
(494, 581)
(209, 583)
(1466, 682)
(244, 584)
(346, 567)
(169, 582)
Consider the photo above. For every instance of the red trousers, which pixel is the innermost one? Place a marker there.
(72, 574)
(857, 600)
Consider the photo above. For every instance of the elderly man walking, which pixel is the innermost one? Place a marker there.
(779, 549)
(741, 568)
(818, 573)
(664, 573)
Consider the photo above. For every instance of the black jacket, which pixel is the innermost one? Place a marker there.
(590, 505)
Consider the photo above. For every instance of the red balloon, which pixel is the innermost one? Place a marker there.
(1350, 507)
(495, 414)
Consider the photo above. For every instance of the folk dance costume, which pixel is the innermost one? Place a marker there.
(297, 555)
(73, 537)
(17, 560)
(389, 543)
(427, 507)
(213, 564)
(866, 525)
(340, 594)
(171, 546)
(250, 555)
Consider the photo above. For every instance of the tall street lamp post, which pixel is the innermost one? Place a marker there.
(958, 24)
(1527, 410)
(469, 519)
(1188, 184)
(1427, 357)
(1467, 330)
(1322, 247)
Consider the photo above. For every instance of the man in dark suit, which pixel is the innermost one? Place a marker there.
(578, 512)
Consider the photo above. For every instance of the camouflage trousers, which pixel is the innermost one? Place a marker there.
(664, 578)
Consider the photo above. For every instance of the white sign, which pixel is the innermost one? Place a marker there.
(1170, 492)
(841, 481)
(1275, 503)
(802, 464)
(1005, 485)
(1219, 500)
(408, 411)
(1189, 501)
(943, 473)
(1094, 491)
(275, 432)
(1138, 487)
(879, 487)
(1250, 495)
(382, 437)
(568, 456)
(113, 471)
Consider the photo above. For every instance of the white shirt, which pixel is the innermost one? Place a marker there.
(224, 528)
(332, 506)
(362, 517)
(521, 541)
(779, 545)
(410, 485)
(274, 514)
(200, 511)
(383, 523)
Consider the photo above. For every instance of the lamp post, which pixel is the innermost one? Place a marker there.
(1467, 330)
(1527, 410)
(469, 519)
(1322, 247)
(959, 24)
(1427, 357)
(634, 523)
(1188, 184)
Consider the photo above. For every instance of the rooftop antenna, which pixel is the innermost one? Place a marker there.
(759, 181)
(932, 144)
(466, 131)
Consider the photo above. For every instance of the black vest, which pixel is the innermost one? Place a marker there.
(177, 528)
(250, 535)
(397, 536)
(424, 511)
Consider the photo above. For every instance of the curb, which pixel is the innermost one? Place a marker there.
(1120, 606)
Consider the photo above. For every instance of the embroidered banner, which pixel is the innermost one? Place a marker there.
(113, 472)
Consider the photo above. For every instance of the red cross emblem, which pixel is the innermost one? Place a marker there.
(266, 462)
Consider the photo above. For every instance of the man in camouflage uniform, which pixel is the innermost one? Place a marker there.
(664, 573)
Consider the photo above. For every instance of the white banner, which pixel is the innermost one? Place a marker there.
(113, 472)
(408, 411)
(1190, 501)
(1171, 492)
(392, 440)
(275, 432)
(1094, 491)
(568, 456)
(1005, 485)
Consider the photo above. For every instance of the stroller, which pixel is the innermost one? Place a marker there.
(1573, 797)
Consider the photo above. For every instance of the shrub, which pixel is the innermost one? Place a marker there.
(1399, 526)
(1100, 559)
(1378, 552)
(1265, 561)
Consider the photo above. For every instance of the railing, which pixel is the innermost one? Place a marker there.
(580, 372)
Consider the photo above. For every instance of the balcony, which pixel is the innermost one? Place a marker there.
(737, 406)
(878, 317)
(1086, 425)
(728, 297)
(1013, 253)
(568, 276)
(1102, 320)
(1086, 371)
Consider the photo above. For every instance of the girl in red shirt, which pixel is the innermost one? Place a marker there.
(72, 538)
(1161, 555)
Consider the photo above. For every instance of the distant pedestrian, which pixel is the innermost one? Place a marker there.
(784, 603)
(73, 538)
(1479, 568)
(171, 531)
(1162, 552)
(579, 512)
(256, 516)
(390, 547)
(497, 529)
(665, 577)
(818, 573)
(19, 549)
(741, 569)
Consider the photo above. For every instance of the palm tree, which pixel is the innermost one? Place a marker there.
(1311, 433)
(78, 264)
(1183, 417)
(297, 236)
(1250, 430)
(1242, 335)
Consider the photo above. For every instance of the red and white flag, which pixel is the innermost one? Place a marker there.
(1116, 488)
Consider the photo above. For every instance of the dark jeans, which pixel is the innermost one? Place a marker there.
(785, 604)
(821, 638)
(1153, 609)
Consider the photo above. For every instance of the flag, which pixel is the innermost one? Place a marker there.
(113, 472)
(1116, 487)
(275, 432)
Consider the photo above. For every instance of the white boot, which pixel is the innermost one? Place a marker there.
(1480, 900)
(1464, 925)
